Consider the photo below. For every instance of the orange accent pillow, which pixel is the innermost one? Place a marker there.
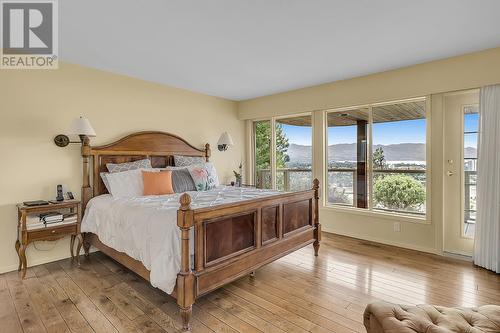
(157, 183)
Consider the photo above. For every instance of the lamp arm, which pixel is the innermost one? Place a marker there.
(62, 140)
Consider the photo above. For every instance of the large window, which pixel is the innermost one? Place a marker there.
(347, 155)
(377, 157)
(283, 153)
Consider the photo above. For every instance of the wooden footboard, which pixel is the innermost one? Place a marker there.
(235, 239)
(231, 240)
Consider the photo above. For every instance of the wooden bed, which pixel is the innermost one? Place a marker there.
(230, 240)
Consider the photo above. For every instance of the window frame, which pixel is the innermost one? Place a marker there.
(370, 211)
(272, 121)
(462, 170)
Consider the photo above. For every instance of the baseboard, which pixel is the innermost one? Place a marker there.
(35, 262)
(383, 241)
(459, 256)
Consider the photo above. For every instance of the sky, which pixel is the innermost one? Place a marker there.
(408, 131)
(471, 122)
(300, 135)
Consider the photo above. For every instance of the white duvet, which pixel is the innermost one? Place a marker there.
(145, 228)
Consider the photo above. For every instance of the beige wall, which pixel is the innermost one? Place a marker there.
(37, 105)
(463, 72)
(429, 79)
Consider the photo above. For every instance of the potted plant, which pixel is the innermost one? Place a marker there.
(238, 175)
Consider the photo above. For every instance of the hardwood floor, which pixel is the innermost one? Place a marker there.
(298, 293)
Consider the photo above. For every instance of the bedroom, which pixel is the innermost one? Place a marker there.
(222, 74)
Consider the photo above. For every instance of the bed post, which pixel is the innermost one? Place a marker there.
(185, 278)
(317, 225)
(86, 189)
(207, 152)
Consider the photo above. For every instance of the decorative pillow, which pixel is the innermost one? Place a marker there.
(140, 164)
(157, 183)
(126, 183)
(184, 161)
(182, 181)
(204, 176)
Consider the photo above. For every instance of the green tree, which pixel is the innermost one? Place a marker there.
(399, 192)
(263, 146)
(379, 158)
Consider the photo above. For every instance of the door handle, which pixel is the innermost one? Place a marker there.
(449, 173)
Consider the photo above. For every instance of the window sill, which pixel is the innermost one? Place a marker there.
(382, 215)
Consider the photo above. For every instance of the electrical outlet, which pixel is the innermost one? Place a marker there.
(397, 226)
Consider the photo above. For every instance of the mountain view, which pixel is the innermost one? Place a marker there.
(300, 155)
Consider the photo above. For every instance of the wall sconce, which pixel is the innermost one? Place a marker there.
(224, 142)
(79, 126)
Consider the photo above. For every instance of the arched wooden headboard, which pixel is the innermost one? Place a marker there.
(159, 147)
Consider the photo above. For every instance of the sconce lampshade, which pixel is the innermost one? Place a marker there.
(225, 141)
(81, 126)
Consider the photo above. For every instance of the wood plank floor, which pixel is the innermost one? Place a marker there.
(298, 293)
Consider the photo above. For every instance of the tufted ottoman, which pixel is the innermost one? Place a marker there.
(384, 317)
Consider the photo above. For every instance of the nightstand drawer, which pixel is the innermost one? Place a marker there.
(49, 233)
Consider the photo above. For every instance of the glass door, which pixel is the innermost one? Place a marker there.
(460, 151)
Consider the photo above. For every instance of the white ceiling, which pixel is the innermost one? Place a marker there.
(240, 49)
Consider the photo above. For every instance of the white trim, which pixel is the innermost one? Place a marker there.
(250, 153)
(459, 256)
(382, 241)
(462, 170)
(378, 214)
(273, 152)
(428, 157)
(406, 100)
(369, 148)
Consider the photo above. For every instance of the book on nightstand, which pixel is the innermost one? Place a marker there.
(50, 219)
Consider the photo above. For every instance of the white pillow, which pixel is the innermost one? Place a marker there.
(105, 180)
(184, 161)
(126, 184)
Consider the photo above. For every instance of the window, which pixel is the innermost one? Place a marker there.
(377, 157)
(347, 156)
(471, 125)
(293, 153)
(283, 153)
(262, 156)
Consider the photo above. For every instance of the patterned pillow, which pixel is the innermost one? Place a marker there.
(182, 181)
(140, 164)
(204, 176)
(184, 161)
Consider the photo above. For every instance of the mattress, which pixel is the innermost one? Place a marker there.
(145, 228)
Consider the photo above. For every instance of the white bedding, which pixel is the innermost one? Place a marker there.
(145, 228)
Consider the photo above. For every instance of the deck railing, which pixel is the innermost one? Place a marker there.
(341, 184)
(285, 176)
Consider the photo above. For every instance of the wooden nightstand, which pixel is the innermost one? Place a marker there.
(26, 236)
